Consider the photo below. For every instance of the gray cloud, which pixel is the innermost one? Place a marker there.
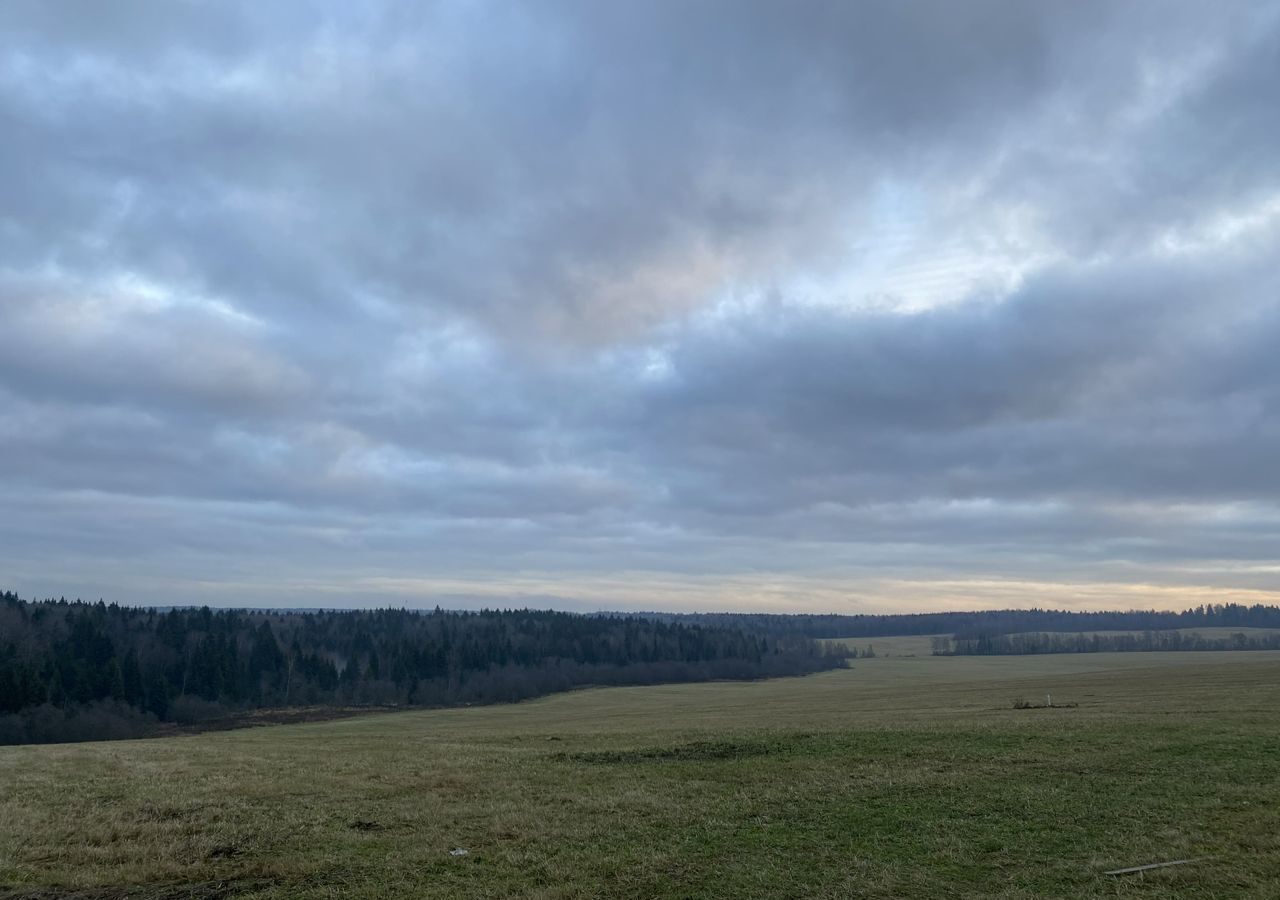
(734, 302)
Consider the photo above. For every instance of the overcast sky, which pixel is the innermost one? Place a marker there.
(803, 306)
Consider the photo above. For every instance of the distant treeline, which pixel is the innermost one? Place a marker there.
(80, 671)
(1148, 641)
(988, 622)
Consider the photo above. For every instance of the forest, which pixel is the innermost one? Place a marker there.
(983, 622)
(71, 670)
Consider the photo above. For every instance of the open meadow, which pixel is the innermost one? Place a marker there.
(901, 776)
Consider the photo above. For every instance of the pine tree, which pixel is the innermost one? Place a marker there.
(132, 678)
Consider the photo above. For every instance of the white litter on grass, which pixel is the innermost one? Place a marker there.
(457, 851)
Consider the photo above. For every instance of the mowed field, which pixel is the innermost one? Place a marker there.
(901, 776)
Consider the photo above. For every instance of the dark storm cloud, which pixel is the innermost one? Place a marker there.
(301, 293)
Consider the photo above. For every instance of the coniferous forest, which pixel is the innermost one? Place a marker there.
(85, 671)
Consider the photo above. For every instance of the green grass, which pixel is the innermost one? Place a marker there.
(898, 777)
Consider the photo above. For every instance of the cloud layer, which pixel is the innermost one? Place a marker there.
(714, 305)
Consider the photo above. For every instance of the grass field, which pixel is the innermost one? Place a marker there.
(899, 777)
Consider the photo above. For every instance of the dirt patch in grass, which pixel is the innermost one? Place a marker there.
(697, 751)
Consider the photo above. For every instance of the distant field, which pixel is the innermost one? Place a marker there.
(893, 645)
(1216, 634)
(897, 777)
(921, 644)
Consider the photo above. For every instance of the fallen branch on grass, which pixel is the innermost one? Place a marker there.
(1159, 865)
